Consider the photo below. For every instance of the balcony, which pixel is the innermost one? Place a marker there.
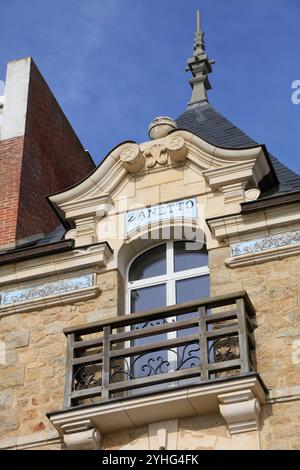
(169, 362)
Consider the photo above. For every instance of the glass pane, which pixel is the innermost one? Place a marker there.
(189, 255)
(192, 288)
(187, 290)
(151, 263)
(148, 298)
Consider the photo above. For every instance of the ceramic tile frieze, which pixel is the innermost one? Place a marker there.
(47, 289)
(266, 243)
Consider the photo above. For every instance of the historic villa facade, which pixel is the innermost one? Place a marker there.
(152, 302)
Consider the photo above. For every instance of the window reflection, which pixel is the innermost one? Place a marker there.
(189, 255)
(147, 298)
(149, 264)
(192, 288)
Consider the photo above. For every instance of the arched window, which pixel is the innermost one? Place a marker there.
(170, 273)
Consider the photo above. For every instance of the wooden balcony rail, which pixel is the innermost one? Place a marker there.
(182, 344)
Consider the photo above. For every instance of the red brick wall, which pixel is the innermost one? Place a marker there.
(51, 160)
(11, 152)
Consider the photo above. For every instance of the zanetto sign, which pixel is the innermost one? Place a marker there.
(184, 209)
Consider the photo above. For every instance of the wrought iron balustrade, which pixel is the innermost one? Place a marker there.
(178, 345)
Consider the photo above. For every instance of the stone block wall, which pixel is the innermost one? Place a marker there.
(32, 380)
(274, 290)
(33, 376)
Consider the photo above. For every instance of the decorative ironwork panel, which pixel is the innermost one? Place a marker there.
(112, 358)
(224, 349)
(87, 376)
(146, 364)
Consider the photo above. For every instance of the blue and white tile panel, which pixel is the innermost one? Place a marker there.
(266, 243)
(46, 289)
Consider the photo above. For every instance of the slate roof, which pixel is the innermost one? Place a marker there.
(204, 121)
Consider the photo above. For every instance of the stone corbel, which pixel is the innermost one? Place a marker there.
(81, 435)
(85, 232)
(163, 435)
(233, 180)
(240, 411)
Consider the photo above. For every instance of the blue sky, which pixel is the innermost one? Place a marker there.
(114, 65)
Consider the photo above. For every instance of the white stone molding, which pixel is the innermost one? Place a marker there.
(244, 173)
(240, 411)
(86, 231)
(31, 441)
(169, 405)
(228, 170)
(13, 275)
(234, 192)
(163, 435)
(259, 236)
(81, 435)
(83, 209)
(237, 227)
(284, 394)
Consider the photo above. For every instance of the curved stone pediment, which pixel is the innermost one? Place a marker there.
(159, 161)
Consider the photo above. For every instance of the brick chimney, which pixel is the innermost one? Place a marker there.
(39, 154)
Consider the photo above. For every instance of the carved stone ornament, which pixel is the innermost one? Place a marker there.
(160, 127)
(252, 194)
(157, 153)
(177, 148)
(132, 158)
(240, 411)
(81, 435)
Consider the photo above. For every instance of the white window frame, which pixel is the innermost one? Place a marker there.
(169, 279)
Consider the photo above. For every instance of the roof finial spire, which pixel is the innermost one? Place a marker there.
(200, 66)
(198, 21)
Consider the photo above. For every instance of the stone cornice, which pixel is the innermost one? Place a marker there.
(247, 172)
(93, 206)
(225, 396)
(94, 256)
(31, 441)
(50, 301)
(234, 226)
(231, 171)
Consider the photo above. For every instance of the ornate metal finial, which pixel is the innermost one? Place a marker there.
(200, 66)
